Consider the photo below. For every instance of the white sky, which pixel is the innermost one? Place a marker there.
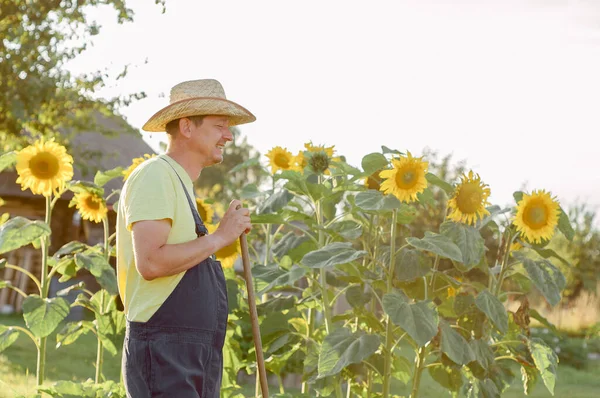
(512, 87)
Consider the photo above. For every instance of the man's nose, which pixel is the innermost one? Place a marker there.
(228, 135)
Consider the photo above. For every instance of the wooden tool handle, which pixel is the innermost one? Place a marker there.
(254, 317)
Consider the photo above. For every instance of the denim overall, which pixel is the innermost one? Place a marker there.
(178, 352)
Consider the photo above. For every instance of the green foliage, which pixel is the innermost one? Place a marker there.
(18, 232)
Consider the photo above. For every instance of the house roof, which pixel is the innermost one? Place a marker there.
(92, 151)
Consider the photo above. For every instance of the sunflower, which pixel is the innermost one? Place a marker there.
(318, 153)
(537, 216)
(134, 164)
(469, 200)
(228, 254)
(91, 207)
(280, 159)
(205, 210)
(515, 246)
(300, 162)
(44, 167)
(406, 179)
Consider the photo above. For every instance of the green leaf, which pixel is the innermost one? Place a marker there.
(373, 200)
(530, 376)
(438, 182)
(448, 377)
(545, 360)
(100, 268)
(86, 186)
(518, 195)
(275, 218)
(483, 353)
(419, 320)
(269, 277)
(8, 335)
(333, 254)
(275, 202)
(72, 331)
(493, 308)
(69, 289)
(19, 231)
(455, 346)
(373, 162)
(533, 313)
(412, 264)
(290, 241)
(252, 162)
(102, 177)
(564, 225)
(3, 263)
(438, 244)
(426, 198)
(8, 160)
(347, 229)
(250, 191)
(468, 239)
(342, 347)
(356, 296)
(483, 389)
(276, 304)
(71, 248)
(42, 316)
(385, 150)
(547, 278)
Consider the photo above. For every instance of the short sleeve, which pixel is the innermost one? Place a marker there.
(150, 194)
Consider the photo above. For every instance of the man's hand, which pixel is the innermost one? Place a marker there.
(235, 222)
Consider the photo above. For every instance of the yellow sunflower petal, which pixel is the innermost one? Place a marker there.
(205, 210)
(468, 205)
(406, 179)
(537, 216)
(91, 207)
(228, 254)
(134, 164)
(44, 167)
(280, 159)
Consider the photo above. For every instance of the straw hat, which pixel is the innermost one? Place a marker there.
(196, 98)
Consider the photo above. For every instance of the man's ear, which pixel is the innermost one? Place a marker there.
(185, 127)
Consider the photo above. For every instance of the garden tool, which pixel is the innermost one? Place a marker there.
(254, 318)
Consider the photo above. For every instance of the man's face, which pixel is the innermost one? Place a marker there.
(209, 139)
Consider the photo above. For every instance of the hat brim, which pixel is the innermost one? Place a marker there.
(198, 106)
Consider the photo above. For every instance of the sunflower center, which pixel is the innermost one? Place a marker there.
(91, 203)
(469, 198)
(44, 165)
(281, 160)
(536, 215)
(406, 179)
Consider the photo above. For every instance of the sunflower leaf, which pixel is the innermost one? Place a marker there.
(85, 186)
(19, 231)
(8, 336)
(373, 200)
(385, 150)
(438, 244)
(438, 182)
(518, 195)
(274, 218)
(419, 320)
(546, 277)
(564, 225)
(412, 264)
(333, 254)
(342, 348)
(102, 177)
(455, 346)
(373, 162)
(275, 202)
(100, 268)
(493, 308)
(252, 162)
(8, 160)
(546, 253)
(71, 332)
(545, 360)
(42, 316)
(448, 377)
(468, 239)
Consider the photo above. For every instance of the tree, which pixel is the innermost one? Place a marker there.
(37, 94)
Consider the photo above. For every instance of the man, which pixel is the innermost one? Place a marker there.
(172, 287)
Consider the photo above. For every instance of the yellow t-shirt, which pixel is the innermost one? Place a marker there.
(152, 192)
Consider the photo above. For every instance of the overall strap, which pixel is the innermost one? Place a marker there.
(200, 228)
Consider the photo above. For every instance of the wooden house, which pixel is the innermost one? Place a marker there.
(91, 151)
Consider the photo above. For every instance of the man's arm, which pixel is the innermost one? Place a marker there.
(154, 258)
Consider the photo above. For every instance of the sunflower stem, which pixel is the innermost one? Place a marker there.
(100, 351)
(387, 372)
(420, 359)
(45, 282)
(29, 274)
(504, 266)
